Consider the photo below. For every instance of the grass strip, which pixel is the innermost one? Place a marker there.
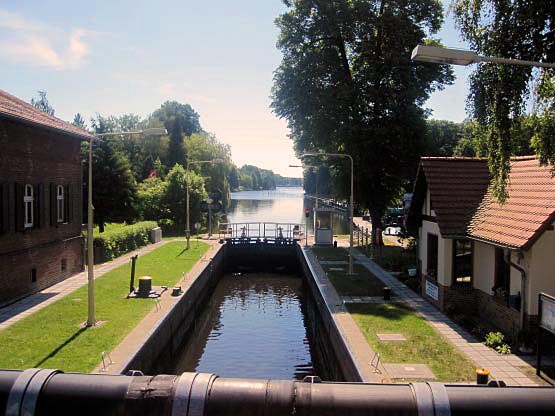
(424, 345)
(53, 337)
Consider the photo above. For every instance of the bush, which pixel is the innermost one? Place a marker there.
(494, 339)
(117, 241)
(503, 349)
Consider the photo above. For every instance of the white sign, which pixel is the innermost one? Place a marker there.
(548, 314)
(432, 290)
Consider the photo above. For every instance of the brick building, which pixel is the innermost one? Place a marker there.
(40, 199)
(478, 256)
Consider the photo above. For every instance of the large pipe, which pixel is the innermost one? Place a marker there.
(48, 392)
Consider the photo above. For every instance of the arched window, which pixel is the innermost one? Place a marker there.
(28, 201)
(60, 203)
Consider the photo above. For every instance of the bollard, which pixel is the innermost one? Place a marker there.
(335, 244)
(482, 376)
(386, 293)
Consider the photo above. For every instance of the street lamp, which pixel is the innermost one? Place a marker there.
(90, 217)
(187, 226)
(311, 167)
(351, 210)
(437, 55)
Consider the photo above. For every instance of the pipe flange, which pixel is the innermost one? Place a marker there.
(182, 393)
(25, 391)
(199, 391)
(442, 407)
(424, 399)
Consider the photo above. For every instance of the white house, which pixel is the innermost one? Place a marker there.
(489, 260)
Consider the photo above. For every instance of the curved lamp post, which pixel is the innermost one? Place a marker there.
(91, 320)
(451, 56)
(351, 204)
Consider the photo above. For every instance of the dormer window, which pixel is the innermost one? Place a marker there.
(29, 201)
(60, 203)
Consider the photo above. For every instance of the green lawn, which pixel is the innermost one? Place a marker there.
(54, 338)
(424, 345)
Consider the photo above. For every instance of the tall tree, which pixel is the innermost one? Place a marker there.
(114, 186)
(176, 148)
(79, 121)
(42, 103)
(346, 84)
(518, 29)
(172, 112)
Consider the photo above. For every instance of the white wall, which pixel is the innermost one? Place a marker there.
(484, 267)
(541, 274)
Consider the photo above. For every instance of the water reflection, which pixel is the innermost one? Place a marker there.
(253, 327)
(284, 205)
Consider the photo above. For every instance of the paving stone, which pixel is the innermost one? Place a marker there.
(391, 337)
(409, 371)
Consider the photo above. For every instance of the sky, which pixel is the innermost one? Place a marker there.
(129, 56)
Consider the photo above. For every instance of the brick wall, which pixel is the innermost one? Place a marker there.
(43, 159)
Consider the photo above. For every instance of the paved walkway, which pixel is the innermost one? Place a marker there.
(27, 306)
(501, 367)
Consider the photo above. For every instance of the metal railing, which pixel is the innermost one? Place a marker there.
(51, 392)
(262, 230)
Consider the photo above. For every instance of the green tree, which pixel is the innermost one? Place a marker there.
(511, 29)
(441, 137)
(42, 103)
(150, 200)
(176, 149)
(346, 84)
(114, 186)
(175, 196)
(79, 121)
(172, 112)
(233, 178)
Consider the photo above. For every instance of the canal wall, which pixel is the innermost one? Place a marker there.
(158, 352)
(331, 343)
(160, 344)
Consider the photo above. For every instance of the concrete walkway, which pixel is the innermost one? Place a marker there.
(27, 306)
(501, 367)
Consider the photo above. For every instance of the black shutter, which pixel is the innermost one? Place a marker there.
(68, 203)
(41, 205)
(19, 207)
(36, 207)
(53, 205)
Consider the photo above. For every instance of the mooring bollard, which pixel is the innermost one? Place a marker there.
(482, 376)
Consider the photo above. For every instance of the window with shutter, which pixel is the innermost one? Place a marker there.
(29, 207)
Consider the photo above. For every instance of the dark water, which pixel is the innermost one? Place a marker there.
(284, 205)
(253, 327)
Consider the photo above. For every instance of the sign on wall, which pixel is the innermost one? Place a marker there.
(432, 290)
(547, 305)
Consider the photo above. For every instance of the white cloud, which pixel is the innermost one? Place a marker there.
(34, 43)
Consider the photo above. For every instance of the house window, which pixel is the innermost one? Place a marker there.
(60, 203)
(33, 275)
(28, 201)
(432, 256)
(502, 282)
(462, 261)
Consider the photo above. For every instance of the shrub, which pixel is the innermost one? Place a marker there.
(503, 349)
(494, 339)
(117, 241)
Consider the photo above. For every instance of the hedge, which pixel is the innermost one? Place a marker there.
(117, 241)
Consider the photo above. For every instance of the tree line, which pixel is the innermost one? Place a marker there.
(146, 178)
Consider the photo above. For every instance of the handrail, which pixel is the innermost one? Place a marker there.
(272, 230)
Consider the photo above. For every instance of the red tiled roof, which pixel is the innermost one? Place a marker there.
(457, 185)
(529, 209)
(14, 108)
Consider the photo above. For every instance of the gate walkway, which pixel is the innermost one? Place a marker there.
(262, 230)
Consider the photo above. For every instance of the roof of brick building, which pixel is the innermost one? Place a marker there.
(527, 212)
(457, 186)
(15, 109)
